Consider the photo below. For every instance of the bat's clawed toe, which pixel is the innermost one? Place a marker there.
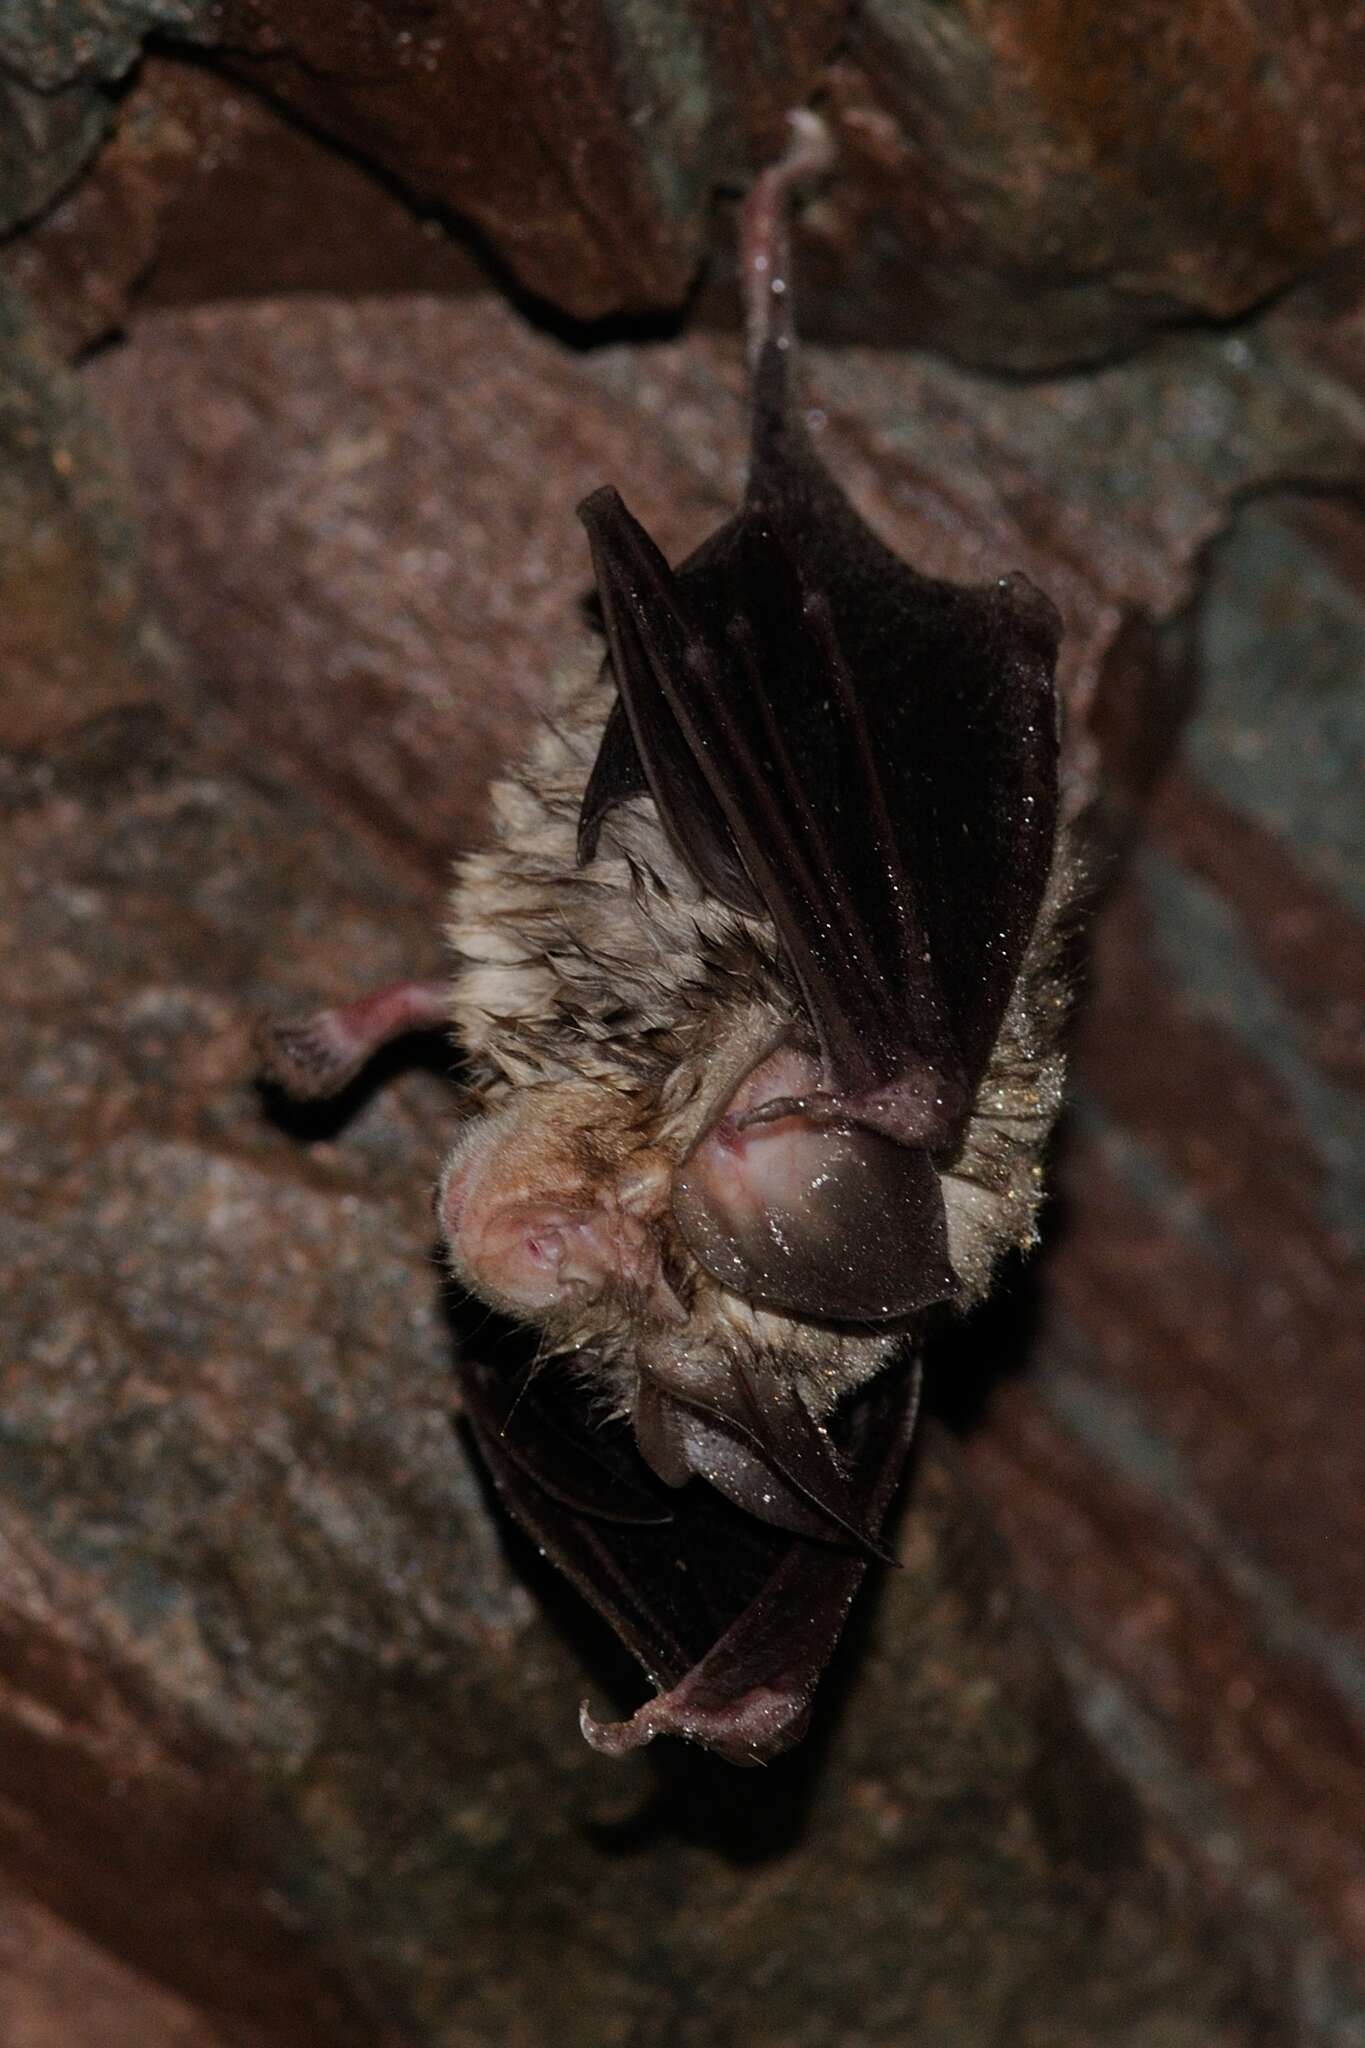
(312, 1057)
(307, 1057)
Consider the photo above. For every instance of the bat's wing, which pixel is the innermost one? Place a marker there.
(733, 1619)
(867, 754)
(868, 757)
(955, 684)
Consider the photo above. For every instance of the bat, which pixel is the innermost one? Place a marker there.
(759, 985)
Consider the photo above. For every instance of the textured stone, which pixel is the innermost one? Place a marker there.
(1027, 184)
(289, 214)
(581, 138)
(52, 43)
(45, 138)
(73, 625)
(1034, 182)
(341, 525)
(367, 582)
(1024, 184)
(277, 1713)
(1110, 490)
(1182, 1471)
(57, 57)
(287, 1748)
(60, 1990)
(251, 1595)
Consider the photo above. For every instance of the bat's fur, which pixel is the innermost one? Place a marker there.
(611, 1009)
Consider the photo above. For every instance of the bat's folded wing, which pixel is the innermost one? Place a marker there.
(867, 755)
(733, 1619)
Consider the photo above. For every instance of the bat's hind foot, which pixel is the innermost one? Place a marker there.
(312, 1057)
(306, 1056)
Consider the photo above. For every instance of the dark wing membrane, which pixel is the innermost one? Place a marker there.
(760, 762)
(733, 1619)
(541, 1435)
(863, 1239)
(749, 1696)
(618, 773)
(616, 777)
(651, 636)
(755, 1441)
(874, 750)
(957, 685)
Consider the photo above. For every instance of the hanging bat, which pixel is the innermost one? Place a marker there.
(759, 991)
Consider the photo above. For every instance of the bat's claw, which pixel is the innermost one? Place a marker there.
(307, 1057)
(812, 149)
(320, 1055)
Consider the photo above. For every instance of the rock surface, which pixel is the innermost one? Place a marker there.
(1196, 1404)
(286, 1735)
(582, 138)
(288, 1752)
(339, 522)
(1050, 180)
(288, 213)
(58, 61)
(261, 1640)
(1027, 184)
(58, 1988)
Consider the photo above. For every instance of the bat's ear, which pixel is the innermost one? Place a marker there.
(810, 1212)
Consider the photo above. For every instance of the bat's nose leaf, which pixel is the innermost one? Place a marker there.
(828, 1221)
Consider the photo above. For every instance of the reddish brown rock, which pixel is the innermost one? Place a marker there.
(1038, 181)
(258, 1640)
(74, 628)
(277, 1715)
(366, 532)
(1024, 185)
(362, 516)
(60, 1990)
(1181, 1469)
(582, 138)
(206, 191)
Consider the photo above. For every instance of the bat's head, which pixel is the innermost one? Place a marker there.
(551, 1212)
